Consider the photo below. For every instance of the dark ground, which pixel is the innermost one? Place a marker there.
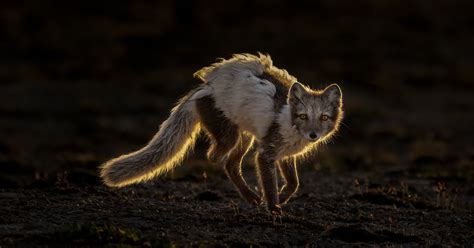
(82, 82)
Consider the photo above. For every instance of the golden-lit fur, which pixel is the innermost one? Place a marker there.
(245, 98)
(166, 150)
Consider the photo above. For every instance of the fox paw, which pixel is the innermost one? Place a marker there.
(252, 198)
(284, 198)
(286, 193)
(275, 210)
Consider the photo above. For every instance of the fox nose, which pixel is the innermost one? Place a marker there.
(313, 135)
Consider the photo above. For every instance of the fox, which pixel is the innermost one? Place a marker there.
(242, 102)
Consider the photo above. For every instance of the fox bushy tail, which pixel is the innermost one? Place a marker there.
(168, 147)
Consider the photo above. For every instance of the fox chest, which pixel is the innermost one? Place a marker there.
(295, 148)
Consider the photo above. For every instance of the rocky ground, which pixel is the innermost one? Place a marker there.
(196, 210)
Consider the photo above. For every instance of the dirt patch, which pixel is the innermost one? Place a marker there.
(327, 211)
(358, 234)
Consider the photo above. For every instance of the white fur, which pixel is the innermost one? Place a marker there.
(245, 101)
(248, 100)
(243, 97)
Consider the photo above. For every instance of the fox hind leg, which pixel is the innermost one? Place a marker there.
(228, 145)
(222, 132)
(233, 169)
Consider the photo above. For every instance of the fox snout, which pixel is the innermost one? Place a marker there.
(312, 136)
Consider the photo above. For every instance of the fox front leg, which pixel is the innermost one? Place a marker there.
(266, 171)
(289, 173)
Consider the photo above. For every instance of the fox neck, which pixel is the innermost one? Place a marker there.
(293, 143)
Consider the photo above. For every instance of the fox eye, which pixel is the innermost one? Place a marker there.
(324, 117)
(303, 116)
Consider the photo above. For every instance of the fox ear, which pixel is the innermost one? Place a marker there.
(333, 93)
(297, 91)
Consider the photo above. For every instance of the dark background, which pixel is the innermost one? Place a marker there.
(84, 81)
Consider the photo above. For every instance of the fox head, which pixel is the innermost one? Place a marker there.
(315, 114)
